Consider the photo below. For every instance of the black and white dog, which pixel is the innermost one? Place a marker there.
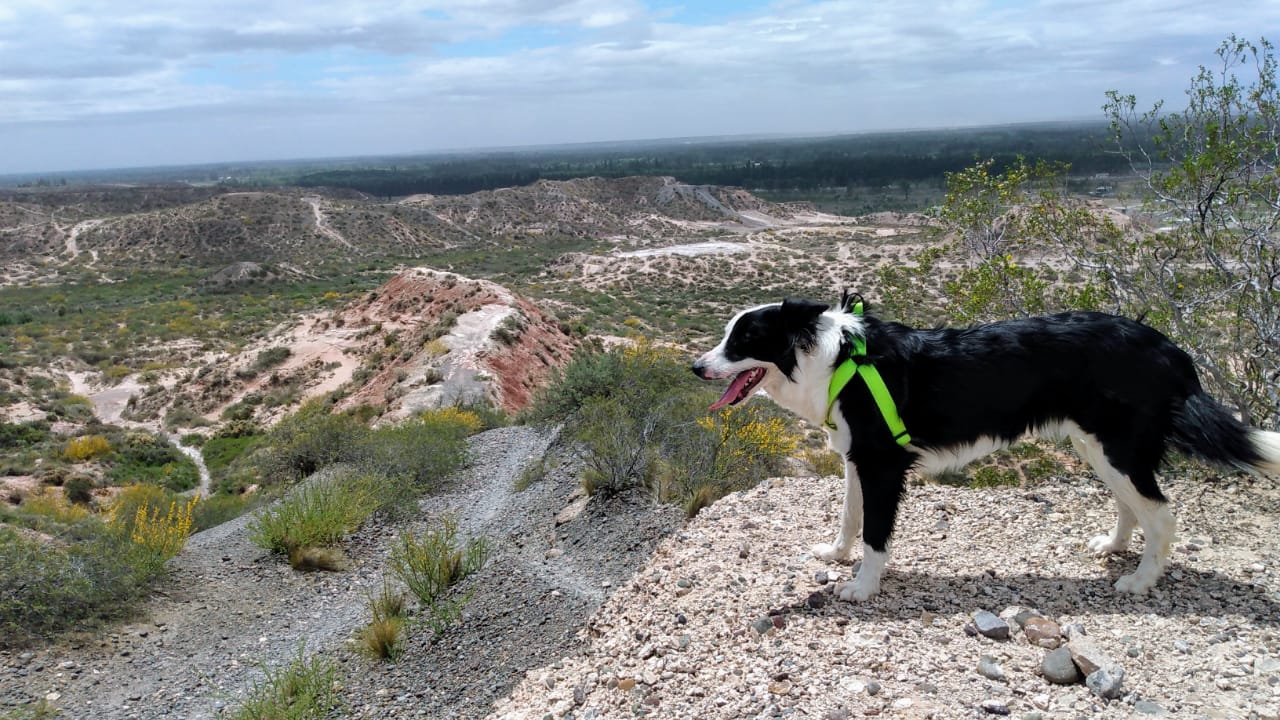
(1121, 391)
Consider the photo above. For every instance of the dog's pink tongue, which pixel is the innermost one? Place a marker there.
(731, 394)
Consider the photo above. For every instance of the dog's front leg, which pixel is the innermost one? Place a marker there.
(850, 519)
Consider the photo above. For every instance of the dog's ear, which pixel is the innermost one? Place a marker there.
(850, 300)
(801, 309)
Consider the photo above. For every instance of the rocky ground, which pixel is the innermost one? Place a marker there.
(733, 618)
(615, 609)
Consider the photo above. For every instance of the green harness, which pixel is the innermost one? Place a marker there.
(871, 376)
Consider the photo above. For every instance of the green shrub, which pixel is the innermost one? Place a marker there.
(640, 419)
(15, 436)
(48, 589)
(220, 452)
(271, 357)
(431, 566)
(724, 452)
(305, 689)
(153, 462)
(180, 416)
(319, 513)
(78, 489)
(221, 507)
(308, 440)
(383, 637)
(423, 450)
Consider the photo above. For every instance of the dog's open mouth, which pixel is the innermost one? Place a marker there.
(741, 387)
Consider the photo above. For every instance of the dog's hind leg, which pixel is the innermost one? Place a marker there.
(1118, 541)
(850, 519)
(1139, 501)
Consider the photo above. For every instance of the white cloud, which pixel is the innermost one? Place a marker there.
(593, 70)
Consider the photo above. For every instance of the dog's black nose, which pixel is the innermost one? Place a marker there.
(699, 370)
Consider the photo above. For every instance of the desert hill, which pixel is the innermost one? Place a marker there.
(210, 227)
(425, 338)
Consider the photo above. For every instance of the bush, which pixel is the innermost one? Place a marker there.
(96, 571)
(147, 459)
(271, 357)
(640, 418)
(319, 513)
(155, 534)
(47, 589)
(431, 566)
(309, 440)
(86, 447)
(423, 450)
(383, 637)
(219, 508)
(53, 505)
(78, 489)
(722, 453)
(305, 689)
(16, 436)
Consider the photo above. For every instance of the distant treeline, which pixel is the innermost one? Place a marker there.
(876, 160)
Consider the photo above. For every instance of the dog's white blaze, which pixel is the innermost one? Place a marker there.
(714, 360)
(806, 393)
(1152, 515)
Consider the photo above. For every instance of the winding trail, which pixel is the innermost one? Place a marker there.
(230, 608)
(109, 404)
(322, 224)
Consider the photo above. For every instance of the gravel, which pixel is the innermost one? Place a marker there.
(1006, 550)
(613, 608)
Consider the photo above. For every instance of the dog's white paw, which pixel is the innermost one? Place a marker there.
(855, 591)
(1135, 583)
(1107, 545)
(829, 553)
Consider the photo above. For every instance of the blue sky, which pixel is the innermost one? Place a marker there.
(117, 83)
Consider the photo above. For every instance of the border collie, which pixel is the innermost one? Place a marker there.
(1121, 391)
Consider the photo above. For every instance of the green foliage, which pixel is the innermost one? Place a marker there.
(220, 507)
(48, 589)
(321, 512)
(271, 357)
(305, 689)
(432, 565)
(640, 418)
(422, 450)
(383, 637)
(221, 452)
(155, 463)
(721, 453)
(16, 436)
(308, 440)
(1209, 277)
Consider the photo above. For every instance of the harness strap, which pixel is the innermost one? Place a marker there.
(847, 370)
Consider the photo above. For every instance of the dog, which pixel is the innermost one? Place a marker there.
(1122, 392)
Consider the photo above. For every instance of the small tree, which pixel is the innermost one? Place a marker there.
(1211, 276)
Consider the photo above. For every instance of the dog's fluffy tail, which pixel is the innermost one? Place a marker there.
(1207, 430)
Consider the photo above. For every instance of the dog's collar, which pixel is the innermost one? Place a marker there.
(871, 376)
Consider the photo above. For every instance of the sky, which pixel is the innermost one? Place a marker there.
(119, 83)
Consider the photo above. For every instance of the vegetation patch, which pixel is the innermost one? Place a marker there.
(305, 689)
(431, 565)
(319, 513)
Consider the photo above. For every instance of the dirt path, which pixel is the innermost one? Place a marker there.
(109, 404)
(230, 608)
(322, 224)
